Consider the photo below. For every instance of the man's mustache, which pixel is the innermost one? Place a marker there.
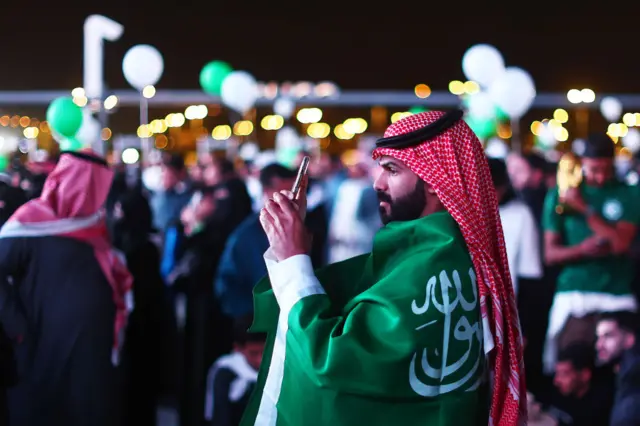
(383, 196)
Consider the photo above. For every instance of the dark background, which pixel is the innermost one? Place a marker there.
(42, 45)
(385, 46)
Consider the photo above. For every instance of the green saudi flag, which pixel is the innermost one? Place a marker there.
(389, 338)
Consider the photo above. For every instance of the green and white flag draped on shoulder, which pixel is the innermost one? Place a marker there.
(389, 338)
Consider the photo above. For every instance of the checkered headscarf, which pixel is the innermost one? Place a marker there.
(455, 166)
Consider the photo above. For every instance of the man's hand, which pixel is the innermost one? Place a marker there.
(595, 246)
(574, 200)
(283, 223)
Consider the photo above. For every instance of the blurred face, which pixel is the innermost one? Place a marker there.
(519, 171)
(277, 185)
(252, 351)
(597, 171)
(612, 341)
(169, 177)
(195, 173)
(211, 174)
(402, 194)
(569, 381)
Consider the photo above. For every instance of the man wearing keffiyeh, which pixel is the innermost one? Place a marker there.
(65, 296)
(424, 329)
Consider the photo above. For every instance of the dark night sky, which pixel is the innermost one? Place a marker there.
(42, 45)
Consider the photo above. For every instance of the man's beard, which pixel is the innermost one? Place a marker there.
(405, 208)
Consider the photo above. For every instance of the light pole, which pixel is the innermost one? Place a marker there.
(97, 29)
(142, 67)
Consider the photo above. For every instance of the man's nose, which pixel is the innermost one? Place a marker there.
(379, 183)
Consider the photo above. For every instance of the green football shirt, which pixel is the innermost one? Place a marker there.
(613, 202)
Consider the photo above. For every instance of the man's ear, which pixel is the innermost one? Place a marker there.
(430, 189)
(630, 340)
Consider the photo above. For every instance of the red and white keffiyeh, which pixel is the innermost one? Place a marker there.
(454, 164)
(71, 206)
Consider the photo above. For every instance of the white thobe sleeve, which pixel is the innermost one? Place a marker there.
(292, 279)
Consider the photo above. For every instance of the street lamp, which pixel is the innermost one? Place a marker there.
(584, 96)
(576, 96)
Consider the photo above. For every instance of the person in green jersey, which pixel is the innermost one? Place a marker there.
(589, 232)
(421, 331)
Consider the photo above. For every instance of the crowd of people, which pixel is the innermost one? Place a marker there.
(193, 245)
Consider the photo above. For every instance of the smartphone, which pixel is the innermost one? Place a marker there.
(302, 171)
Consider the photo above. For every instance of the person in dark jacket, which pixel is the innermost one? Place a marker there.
(214, 215)
(242, 263)
(582, 396)
(64, 300)
(167, 203)
(618, 345)
(10, 199)
(149, 328)
(232, 378)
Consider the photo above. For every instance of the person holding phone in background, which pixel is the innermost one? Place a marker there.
(591, 240)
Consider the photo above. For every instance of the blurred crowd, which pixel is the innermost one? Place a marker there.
(194, 246)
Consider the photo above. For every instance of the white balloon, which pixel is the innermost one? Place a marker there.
(239, 91)
(497, 148)
(249, 151)
(142, 66)
(483, 64)
(632, 140)
(611, 108)
(287, 137)
(8, 144)
(284, 107)
(265, 158)
(514, 92)
(481, 106)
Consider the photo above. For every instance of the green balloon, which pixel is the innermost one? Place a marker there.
(212, 76)
(70, 144)
(483, 128)
(287, 156)
(4, 162)
(64, 117)
(501, 115)
(417, 109)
